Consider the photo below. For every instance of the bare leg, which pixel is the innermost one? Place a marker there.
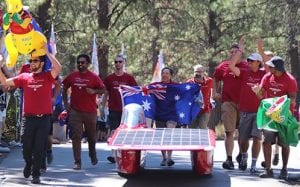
(229, 143)
(267, 148)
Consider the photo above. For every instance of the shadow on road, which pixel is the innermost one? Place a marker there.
(171, 177)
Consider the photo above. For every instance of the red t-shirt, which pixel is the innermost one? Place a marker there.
(231, 83)
(80, 99)
(25, 68)
(249, 102)
(37, 92)
(278, 86)
(112, 83)
(205, 87)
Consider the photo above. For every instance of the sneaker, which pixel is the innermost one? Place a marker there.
(170, 162)
(164, 162)
(49, 157)
(94, 161)
(268, 173)
(27, 171)
(275, 160)
(243, 164)
(238, 158)
(283, 174)
(228, 165)
(77, 166)
(111, 159)
(253, 171)
(36, 180)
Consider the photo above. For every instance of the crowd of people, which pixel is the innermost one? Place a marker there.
(92, 108)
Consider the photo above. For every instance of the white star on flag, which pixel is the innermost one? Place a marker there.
(177, 97)
(188, 87)
(146, 105)
(181, 115)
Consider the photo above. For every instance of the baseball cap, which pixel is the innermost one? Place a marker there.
(255, 57)
(277, 63)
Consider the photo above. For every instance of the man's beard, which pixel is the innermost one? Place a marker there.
(81, 68)
(198, 76)
(35, 69)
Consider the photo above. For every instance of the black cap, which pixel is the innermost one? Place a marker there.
(277, 63)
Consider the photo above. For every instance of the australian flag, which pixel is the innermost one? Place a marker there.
(163, 102)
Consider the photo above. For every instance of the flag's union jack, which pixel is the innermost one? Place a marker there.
(157, 90)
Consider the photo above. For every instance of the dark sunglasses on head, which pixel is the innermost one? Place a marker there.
(118, 61)
(34, 60)
(81, 62)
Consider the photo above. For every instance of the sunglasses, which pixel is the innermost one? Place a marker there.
(118, 61)
(249, 60)
(81, 62)
(34, 60)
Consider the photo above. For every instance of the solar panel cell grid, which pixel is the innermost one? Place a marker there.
(161, 138)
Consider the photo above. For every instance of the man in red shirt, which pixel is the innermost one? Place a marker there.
(37, 87)
(206, 86)
(229, 99)
(113, 97)
(82, 109)
(275, 84)
(248, 105)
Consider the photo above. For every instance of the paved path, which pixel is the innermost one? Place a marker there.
(60, 172)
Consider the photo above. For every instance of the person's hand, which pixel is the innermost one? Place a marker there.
(217, 96)
(5, 88)
(90, 91)
(242, 44)
(260, 43)
(256, 88)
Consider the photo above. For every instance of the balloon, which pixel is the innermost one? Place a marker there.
(22, 37)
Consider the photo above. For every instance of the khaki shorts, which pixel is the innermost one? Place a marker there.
(229, 116)
(201, 121)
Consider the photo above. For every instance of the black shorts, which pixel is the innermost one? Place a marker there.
(114, 119)
(101, 126)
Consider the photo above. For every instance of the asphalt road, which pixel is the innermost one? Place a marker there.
(60, 172)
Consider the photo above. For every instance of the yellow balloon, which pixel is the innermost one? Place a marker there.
(14, 6)
(27, 42)
(12, 51)
(24, 44)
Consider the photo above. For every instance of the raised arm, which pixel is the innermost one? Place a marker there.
(237, 58)
(56, 66)
(3, 79)
(260, 47)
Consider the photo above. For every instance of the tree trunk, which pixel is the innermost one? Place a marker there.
(292, 9)
(156, 23)
(214, 34)
(43, 18)
(103, 48)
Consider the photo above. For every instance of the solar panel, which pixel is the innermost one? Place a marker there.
(163, 139)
